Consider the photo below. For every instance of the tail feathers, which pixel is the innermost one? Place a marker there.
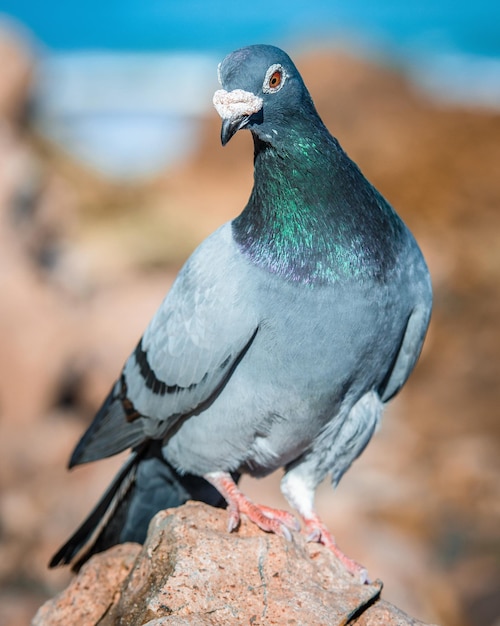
(96, 521)
(109, 433)
(145, 485)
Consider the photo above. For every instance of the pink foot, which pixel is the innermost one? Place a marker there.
(318, 532)
(268, 519)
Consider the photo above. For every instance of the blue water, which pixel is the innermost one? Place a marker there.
(118, 79)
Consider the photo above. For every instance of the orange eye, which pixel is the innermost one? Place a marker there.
(275, 80)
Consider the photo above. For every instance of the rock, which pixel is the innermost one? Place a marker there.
(191, 571)
(90, 595)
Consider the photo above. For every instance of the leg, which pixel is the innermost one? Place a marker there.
(266, 518)
(300, 494)
(339, 444)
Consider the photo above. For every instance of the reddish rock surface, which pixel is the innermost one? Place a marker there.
(191, 571)
(91, 594)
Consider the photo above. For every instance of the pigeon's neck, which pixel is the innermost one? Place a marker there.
(312, 217)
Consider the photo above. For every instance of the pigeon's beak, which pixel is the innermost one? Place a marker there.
(230, 126)
(235, 108)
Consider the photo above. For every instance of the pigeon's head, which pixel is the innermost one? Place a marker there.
(262, 90)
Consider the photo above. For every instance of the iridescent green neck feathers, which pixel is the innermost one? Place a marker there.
(312, 217)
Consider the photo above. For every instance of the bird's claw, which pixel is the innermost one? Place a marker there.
(287, 519)
(314, 536)
(318, 533)
(267, 519)
(233, 520)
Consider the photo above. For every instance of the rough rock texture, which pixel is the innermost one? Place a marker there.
(191, 571)
(89, 596)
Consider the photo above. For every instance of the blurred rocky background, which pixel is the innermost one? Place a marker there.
(111, 171)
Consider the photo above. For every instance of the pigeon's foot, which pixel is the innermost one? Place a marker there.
(318, 532)
(268, 519)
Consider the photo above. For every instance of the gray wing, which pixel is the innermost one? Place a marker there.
(192, 345)
(409, 351)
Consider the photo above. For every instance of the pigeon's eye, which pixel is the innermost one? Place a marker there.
(275, 79)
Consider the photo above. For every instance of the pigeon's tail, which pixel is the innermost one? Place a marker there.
(144, 485)
(110, 432)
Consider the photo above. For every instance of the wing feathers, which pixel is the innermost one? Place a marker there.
(185, 357)
(409, 351)
(110, 432)
(152, 382)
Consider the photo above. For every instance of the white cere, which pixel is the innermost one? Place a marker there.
(236, 103)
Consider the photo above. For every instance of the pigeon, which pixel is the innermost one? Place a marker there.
(282, 338)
